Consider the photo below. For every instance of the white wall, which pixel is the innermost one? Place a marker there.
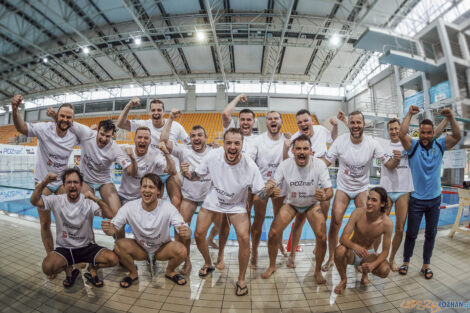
(324, 109)
(286, 104)
(205, 103)
(173, 103)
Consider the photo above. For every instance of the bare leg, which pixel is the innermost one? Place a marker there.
(175, 253)
(381, 271)
(187, 210)
(242, 228)
(277, 204)
(316, 219)
(401, 211)
(53, 264)
(343, 257)
(296, 233)
(109, 195)
(173, 187)
(204, 221)
(256, 227)
(214, 232)
(285, 216)
(128, 250)
(340, 204)
(223, 236)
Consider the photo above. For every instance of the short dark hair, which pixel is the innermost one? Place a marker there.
(66, 105)
(280, 116)
(356, 113)
(196, 127)
(302, 137)
(393, 120)
(70, 171)
(383, 197)
(143, 128)
(247, 111)
(156, 180)
(233, 130)
(302, 112)
(426, 122)
(107, 125)
(157, 101)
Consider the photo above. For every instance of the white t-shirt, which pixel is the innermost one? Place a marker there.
(177, 131)
(354, 161)
(230, 183)
(249, 147)
(151, 162)
(301, 182)
(321, 136)
(192, 190)
(268, 154)
(95, 164)
(53, 152)
(74, 221)
(151, 228)
(398, 179)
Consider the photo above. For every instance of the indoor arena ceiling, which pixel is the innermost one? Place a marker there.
(53, 46)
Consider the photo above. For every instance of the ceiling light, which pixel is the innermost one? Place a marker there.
(45, 60)
(138, 41)
(201, 36)
(335, 40)
(86, 50)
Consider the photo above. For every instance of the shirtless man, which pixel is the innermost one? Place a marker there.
(302, 176)
(194, 192)
(268, 156)
(232, 173)
(155, 124)
(355, 152)
(150, 218)
(55, 145)
(366, 225)
(74, 214)
(148, 161)
(319, 137)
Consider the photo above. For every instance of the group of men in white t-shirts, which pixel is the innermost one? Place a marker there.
(225, 182)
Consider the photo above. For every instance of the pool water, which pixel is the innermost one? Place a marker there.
(16, 189)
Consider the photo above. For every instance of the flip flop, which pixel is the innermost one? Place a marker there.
(403, 270)
(208, 270)
(94, 280)
(176, 279)
(128, 281)
(70, 280)
(239, 288)
(426, 272)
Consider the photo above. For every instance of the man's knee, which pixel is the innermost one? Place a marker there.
(199, 235)
(383, 270)
(340, 252)
(180, 251)
(48, 267)
(121, 246)
(321, 238)
(112, 259)
(274, 234)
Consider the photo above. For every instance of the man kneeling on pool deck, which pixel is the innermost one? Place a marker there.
(73, 213)
(367, 224)
(150, 219)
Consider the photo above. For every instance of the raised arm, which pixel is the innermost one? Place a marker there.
(341, 117)
(388, 230)
(122, 121)
(452, 140)
(334, 131)
(20, 124)
(165, 135)
(227, 113)
(170, 163)
(440, 128)
(132, 169)
(405, 126)
(105, 209)
(191, 175)
(36, 198)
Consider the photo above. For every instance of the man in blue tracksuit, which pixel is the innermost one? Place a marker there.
(425, 159)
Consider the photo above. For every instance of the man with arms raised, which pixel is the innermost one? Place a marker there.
(355, 152)
(55, 144)
(155, 124)
(193, 192)
(74, 214)
(366, 225)
(150, 219)
(268, 147)
(425, 159)
(319, 137)
(232, 173)
(148, 161)
(302, 175)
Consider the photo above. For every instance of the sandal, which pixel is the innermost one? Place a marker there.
(239, 288)
(403, 270)
(70, 280)
(208, 270)
(426, 272)
(176, 279)
(128, 281)
(94, 280)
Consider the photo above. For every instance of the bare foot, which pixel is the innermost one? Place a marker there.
(365, 280)
(220, 265)
(291, 261)
(268, 273)
(254, 261)
(81, 265)
(339, 290)
(186, 268)
(394, 266)
(283, 251)
(327, 266)
(212, 244)
(319, 278)
(51, 277)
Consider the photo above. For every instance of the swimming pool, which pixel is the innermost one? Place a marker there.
(17, 187)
